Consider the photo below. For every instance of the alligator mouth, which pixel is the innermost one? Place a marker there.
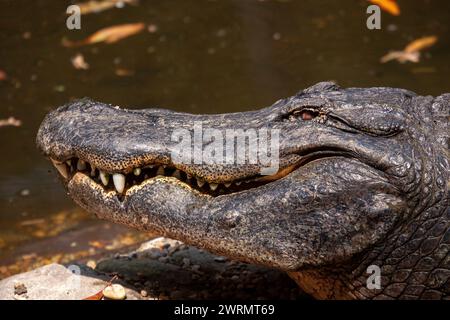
(121, 182)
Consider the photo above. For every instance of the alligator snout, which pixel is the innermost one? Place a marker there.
(119, 149)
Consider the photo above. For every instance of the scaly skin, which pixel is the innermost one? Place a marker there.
(363, 180)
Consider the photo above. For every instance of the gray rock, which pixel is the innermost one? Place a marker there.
(56, 282)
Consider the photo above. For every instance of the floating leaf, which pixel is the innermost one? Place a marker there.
(390, 6)
(108, 35)
(99, 6)
(420, 44)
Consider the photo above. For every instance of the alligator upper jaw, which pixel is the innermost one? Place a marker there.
(95, 138)
(113, 143)
(118, 140)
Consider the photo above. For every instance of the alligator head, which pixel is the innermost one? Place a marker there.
(360, 179)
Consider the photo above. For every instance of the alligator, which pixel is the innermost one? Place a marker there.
(357, 208)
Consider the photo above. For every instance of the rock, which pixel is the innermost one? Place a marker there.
(186, 262)
(20, 288)
(177, 295)
(195, 268)
(153, 253)
(20, 297)
(172, 250)
(56, 282)
(115, 292)
(91, 264)
(163, 259)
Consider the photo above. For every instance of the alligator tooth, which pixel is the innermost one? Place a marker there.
(228, 184)
(92, 171)
(238, 183)
(61, 167)
(200, 183)
(176, 174)
(213, 186)
(69, 165)
(81, 165)
(104, 177)
(137, 171)
(119, 182)
(160, 171)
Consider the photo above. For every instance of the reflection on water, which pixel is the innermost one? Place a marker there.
(201, 57)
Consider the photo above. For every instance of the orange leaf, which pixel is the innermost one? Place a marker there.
(108, 35)
(420, 44)
(95, 6)
(388, 5)
(99, 295)
(96, 244)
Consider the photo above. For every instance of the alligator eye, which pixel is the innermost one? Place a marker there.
(306, 115)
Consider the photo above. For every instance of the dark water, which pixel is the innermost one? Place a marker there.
(206, 57)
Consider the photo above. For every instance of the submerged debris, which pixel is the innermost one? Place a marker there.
(152, 28)
(123, 72)
(3, 75)
(411, 52)
(11, 121)
(78, 62)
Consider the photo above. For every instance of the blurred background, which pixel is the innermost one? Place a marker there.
(191, 55)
